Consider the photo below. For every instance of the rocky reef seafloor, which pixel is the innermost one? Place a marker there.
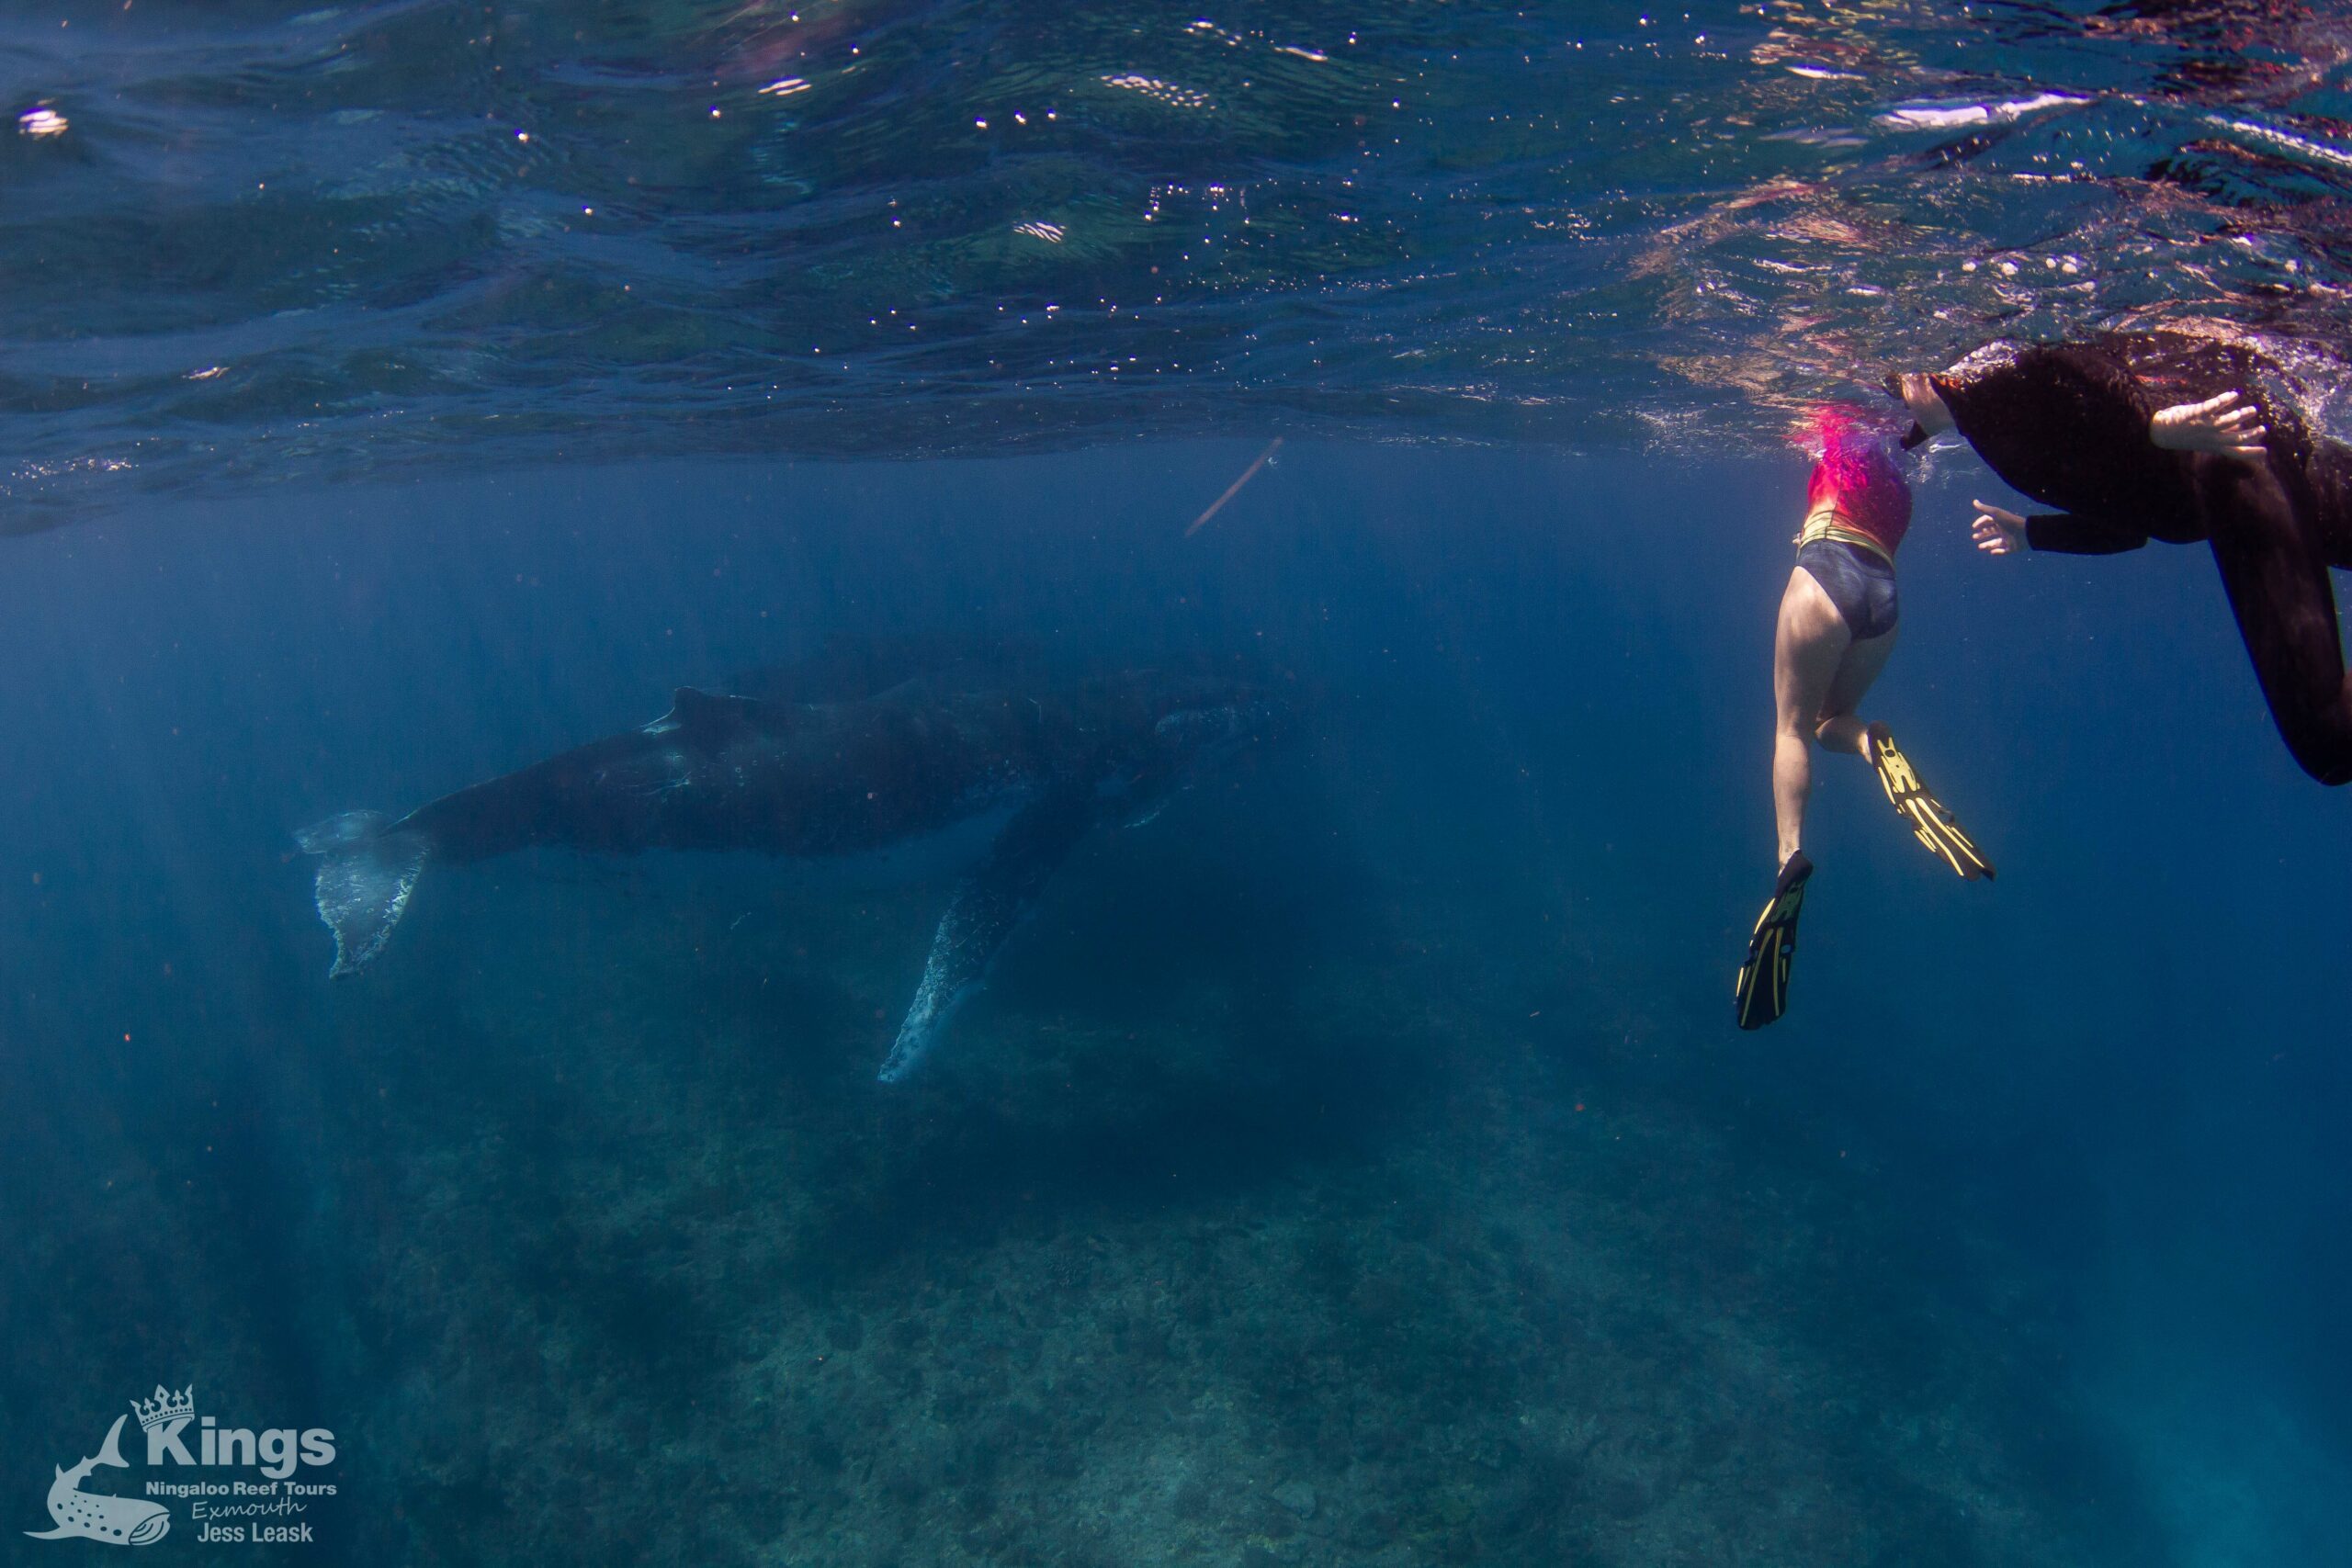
(1224, 1233)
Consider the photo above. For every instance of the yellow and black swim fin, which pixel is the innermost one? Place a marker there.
(1928, 818)
(1762, 995)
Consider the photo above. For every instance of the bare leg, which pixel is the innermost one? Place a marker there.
(1839, 729)
(1808, 649)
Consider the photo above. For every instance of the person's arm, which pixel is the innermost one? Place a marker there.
(2000, 532)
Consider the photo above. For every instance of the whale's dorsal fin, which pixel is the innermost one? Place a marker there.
(112, 1453)
(704, 716)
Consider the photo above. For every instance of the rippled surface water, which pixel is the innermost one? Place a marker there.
(247, 241)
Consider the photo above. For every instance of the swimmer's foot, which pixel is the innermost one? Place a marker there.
(1761, 993)
(1929, 818)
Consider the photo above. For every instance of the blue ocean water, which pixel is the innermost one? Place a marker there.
(1354, 1164)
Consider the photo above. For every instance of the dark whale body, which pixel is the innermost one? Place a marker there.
(1035, 769)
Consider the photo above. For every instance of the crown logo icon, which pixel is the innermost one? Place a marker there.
(166, 1406)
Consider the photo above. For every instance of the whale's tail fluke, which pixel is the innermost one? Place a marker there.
(368, 869)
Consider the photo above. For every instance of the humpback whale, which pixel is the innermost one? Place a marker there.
(1026, 773)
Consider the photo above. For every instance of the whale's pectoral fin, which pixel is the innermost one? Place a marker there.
(60, 1533)
(366, 873)
(991, 903)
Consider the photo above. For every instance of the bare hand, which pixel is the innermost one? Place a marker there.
(2221, 425)
(1998, 531)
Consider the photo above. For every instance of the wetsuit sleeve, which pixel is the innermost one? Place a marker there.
(2074, 534)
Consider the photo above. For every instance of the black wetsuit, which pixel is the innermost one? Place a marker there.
(2067, 425)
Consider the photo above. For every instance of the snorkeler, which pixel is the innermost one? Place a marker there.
(2172, 436)
(1837, 627)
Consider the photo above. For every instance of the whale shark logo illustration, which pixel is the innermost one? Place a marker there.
(120, 1521)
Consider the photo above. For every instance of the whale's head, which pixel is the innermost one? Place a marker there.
(1205, 727)
(151, 1528)
(1210, 717)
